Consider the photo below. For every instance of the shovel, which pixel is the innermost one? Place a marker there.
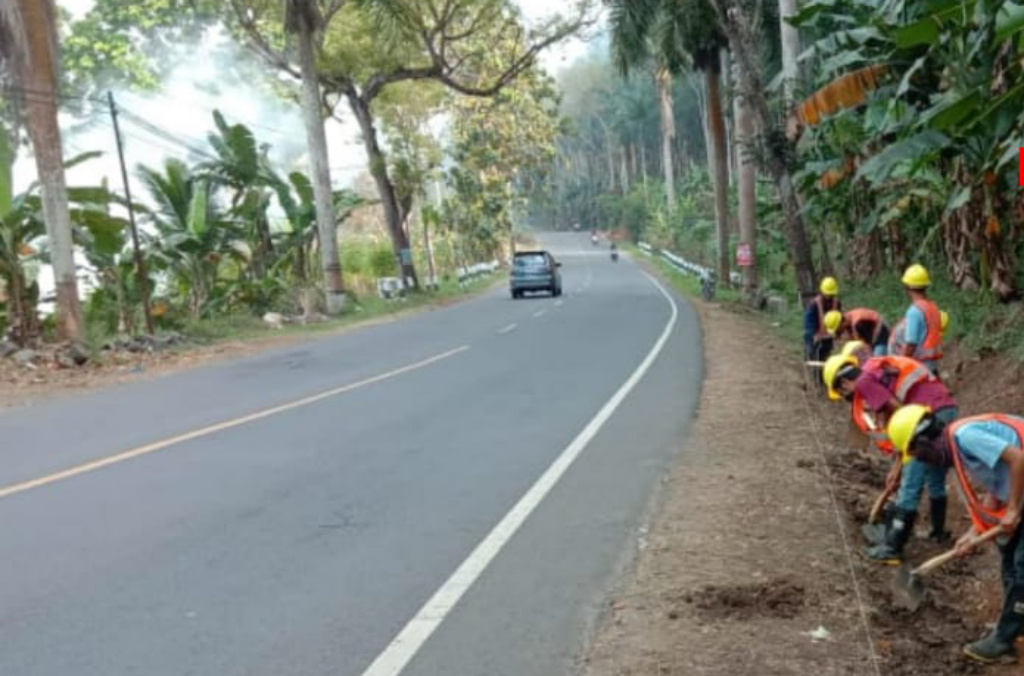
(907, 586)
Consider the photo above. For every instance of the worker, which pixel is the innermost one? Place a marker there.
(817, 341)
(986, 452)
(878, 388)
(856, 348)
(922, 337)
(860, 323)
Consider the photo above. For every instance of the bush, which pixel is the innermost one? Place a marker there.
(382, 262)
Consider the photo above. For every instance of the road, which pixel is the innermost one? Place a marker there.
(293, 512)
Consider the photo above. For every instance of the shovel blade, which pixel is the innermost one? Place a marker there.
(908, 589)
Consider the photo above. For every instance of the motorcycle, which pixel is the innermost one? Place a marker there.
(707, 286)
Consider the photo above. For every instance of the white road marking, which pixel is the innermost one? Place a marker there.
(558, 303)
(99, 463)
(403, 648)
(507, 329)
(540, 313)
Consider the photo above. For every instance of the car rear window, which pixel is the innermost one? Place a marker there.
(531, 261)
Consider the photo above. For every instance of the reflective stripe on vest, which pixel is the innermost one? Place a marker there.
(864, 315)
(931, 348)
(866, 424)
(909, 372)
(983, 518)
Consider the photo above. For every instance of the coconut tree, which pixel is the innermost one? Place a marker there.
(675, 34)
(28, 52)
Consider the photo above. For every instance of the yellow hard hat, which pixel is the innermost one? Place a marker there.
(852, 347)
(916, 277)
(829, 287)
(834, 365)
(944, 320)
(904, 425)
(833, 319)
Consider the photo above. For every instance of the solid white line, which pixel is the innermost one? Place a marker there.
(99, 463)
(540, 313)
(404, 647)
(507, 329)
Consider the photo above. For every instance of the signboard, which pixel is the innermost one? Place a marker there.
(744, 255)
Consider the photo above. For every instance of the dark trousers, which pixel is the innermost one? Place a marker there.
(1011, 619)
(819, 350)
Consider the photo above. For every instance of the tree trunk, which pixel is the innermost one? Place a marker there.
(39, 74)
(428, 247)
(316, 139)
(747, 180)
(729, 95)
(668, 135)
(385, 188)
(716, 126)
(623, 171)
(643, 166)
(790, 49)
(744, 43)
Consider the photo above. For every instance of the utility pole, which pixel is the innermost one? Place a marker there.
(140, 263)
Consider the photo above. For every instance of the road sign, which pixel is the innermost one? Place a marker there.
(744, 255)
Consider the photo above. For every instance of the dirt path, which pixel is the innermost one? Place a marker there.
(751, 567)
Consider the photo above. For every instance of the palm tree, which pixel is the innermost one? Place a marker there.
(28, 47)
(304, 20)
(676, 34)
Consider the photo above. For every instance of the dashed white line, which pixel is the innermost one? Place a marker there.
(404, 647)
(558, 303)
(540, 313)
(507, 329)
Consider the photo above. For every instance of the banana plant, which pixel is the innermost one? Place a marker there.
(194, 236)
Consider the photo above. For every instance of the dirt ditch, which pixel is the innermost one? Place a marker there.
(747, 569)
(775, 598)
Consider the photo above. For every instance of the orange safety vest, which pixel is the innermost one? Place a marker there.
(931, 348)
(909, 372)
(983, 518)
(863, 314)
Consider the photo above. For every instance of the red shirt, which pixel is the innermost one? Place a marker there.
(877, 387)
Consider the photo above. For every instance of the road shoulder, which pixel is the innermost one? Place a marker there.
(743, 568)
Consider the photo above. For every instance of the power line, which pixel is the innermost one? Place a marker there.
(189, 144)
(49, 95)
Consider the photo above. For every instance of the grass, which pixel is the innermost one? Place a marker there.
(244, 327)
(978, 322)
(687, 284)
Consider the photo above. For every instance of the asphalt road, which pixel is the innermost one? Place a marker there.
(292, 512)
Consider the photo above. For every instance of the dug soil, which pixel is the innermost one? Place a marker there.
(753, 560)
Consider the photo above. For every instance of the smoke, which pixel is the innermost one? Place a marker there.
(174, 122)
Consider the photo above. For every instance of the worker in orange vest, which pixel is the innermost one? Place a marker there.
(876, 389)
(986, 451)
(860, 324)
(922, 337)
(818, 343)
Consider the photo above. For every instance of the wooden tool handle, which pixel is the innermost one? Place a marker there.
(876, 509)
(942, 559)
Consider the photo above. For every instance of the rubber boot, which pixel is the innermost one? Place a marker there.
(875, 532)
(938, 534)
(891, 551)
(991, 650)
